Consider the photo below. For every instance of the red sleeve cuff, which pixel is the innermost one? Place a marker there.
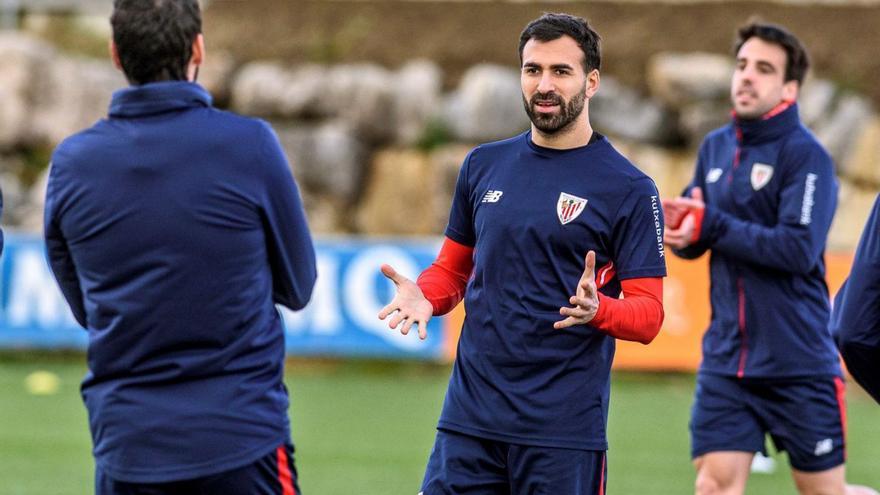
(638, 316)
(443, 283)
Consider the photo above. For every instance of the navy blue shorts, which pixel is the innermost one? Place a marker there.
(804, 417)
(273, 474)
(465, 465)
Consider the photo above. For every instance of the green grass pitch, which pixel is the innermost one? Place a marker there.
(367, 428)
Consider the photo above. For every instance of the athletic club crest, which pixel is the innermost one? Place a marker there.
(761, 175)
(569, 207)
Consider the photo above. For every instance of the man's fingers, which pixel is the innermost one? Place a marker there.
(423, 329)
(395, 321)
(568, 322)
(392, 274)
(673, 237)
(387, 310)
(589, 266)
(407, 324)
(576, 312)
(697, 194)
(587, 288)
(584, 302)
(689, 203)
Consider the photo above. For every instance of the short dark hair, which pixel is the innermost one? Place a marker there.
(797, 62)
(154, 38)
(552, 26)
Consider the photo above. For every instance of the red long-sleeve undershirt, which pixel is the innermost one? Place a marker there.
(637, 317)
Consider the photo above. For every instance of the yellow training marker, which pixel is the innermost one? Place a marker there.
(42, 383)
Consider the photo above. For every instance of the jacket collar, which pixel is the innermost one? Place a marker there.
(778, 122)
(156, 98)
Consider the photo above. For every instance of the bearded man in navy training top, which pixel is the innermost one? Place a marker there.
(173, 229)
(546, 229)
(762, 200)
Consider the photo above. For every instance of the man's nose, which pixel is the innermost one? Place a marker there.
(546, 84)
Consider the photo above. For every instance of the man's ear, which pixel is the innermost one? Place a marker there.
(790, 90)
(592, 83)
(198, 50)
(114, 55)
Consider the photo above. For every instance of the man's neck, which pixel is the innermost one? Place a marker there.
(575, 136)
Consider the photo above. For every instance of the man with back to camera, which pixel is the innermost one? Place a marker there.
(855, 319)
(532, 218)
(173, 229)
(762, 200)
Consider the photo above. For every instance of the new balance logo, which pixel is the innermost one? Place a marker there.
(824, 446)
(492, 196)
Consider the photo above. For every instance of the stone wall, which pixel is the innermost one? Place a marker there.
(377, 150)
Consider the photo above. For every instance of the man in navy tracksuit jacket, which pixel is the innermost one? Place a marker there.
(762, 200)
(856, 316)
(173, 229)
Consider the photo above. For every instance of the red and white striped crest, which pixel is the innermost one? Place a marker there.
(569, 207)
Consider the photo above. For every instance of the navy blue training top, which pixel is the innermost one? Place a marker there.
(856, 316)
(172, 229)
(770, 194)
(532, 214)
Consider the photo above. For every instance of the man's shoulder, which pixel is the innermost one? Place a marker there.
(80, 143)
(508, 145)
(226, 123)
(801, 141)
(618, 164)
(724, 133)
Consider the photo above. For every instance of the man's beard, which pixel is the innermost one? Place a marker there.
(552, 123)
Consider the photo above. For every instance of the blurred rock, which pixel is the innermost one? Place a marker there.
(816, 100)
(397, 197)
(326, 159)
(446, 161)
(327, 215)
(23, 62)
(863, 161)
(305, 91)
(853, 208)
(268, 90)
(487, 105)
(677, 79)
(15, 194)
(416, 96)
(30, 210)
(362, 96)
(44, 96)
(839, 130)
(259, 88)
(698, 118)
(74, 95)
(670, 170)
(216, 75)
(621, 111)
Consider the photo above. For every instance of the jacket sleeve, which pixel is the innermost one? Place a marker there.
(807, 202)
(57, 252)
(288, 241)
(698, 248)
(855, 320)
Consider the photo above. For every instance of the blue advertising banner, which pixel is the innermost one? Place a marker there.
(340, 320)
